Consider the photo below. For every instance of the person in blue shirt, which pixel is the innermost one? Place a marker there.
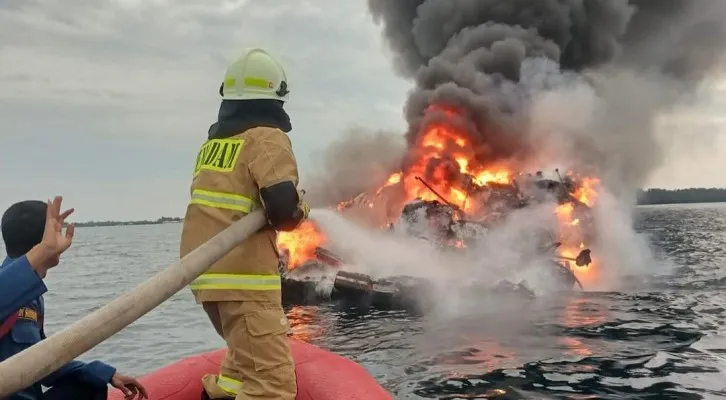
(21, 281)
(32, 232)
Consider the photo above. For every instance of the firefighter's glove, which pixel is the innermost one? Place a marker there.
(302, 212)
(305, 208)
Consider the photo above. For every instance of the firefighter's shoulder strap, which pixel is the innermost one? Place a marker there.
(26, 313)
(8, 324)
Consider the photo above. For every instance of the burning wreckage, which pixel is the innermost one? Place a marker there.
(470, 134)
(313, 274)
(477, 71)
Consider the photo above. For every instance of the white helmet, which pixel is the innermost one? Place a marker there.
(255, 75)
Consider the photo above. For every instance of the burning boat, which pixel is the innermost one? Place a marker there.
(323, 279)
(312, 274)
(457, 187)
(491, 98)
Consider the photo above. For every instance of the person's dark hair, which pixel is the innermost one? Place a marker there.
(22, 226)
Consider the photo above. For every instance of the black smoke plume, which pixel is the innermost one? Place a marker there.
(489, 58)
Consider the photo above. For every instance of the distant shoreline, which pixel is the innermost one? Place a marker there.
(162, 220)
(180, 220)
(650, 197)
(680, 203)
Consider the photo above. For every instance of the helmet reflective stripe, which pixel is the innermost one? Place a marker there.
(255, 75)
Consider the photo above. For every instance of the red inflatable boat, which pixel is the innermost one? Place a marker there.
(321, 375)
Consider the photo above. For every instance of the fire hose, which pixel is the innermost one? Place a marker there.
(35, 363)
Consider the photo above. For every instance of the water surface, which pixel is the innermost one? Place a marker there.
(666, 342)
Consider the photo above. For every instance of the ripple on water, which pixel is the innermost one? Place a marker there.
(668, 343)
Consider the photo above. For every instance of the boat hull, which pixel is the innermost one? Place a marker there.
(321, 375)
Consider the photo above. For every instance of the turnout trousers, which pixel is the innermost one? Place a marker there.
(258, 364)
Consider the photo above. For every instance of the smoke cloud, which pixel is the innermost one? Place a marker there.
(491, 262)
(359, 160)
(570, 84)
(512, 66)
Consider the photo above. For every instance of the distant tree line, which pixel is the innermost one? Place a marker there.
(681, 196)
(162, 220)
(645, 197)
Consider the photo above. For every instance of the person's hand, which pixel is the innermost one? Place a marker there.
(54, 241)
(131, 388)
(45, 255)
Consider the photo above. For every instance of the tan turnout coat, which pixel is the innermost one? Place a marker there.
(228, 176)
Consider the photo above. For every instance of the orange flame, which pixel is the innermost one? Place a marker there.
(301, 243)
(452, 154)
(571, 230)
(445, 158)
(586, 193)
(392, 180)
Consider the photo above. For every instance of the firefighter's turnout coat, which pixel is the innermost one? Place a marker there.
(241, 293)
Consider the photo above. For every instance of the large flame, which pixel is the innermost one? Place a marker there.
(443, 155)
(586, 193)
(571, 229)
(443, 164)
(301, 243)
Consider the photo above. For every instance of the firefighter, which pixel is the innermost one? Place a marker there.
(247, 163)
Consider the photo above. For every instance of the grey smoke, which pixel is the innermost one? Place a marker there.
(493, 60)
(358, 161)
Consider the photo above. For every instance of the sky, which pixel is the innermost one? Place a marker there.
(107, 102)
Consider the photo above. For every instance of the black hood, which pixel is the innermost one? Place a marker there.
(237, 116)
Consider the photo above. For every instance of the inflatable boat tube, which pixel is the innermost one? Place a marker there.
(321, 375)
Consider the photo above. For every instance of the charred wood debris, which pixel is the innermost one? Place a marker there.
(321, 279)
